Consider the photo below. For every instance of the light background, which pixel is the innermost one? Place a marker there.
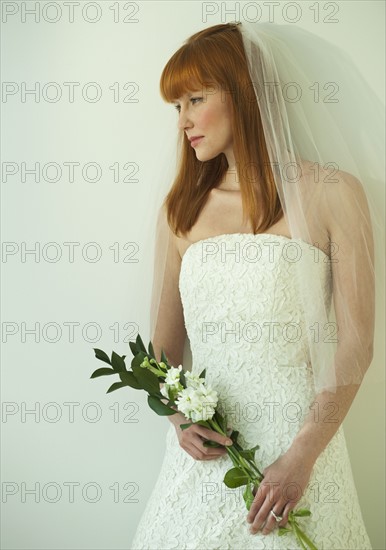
(126, 444)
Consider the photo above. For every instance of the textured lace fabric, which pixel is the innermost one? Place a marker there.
(245, 326)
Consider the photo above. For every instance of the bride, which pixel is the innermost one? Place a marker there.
(259, 236)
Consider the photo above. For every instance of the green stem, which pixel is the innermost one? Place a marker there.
(157, 372)
(303, 537)
(298, 535)
(250, 463)
(237, 459)
(229, 449)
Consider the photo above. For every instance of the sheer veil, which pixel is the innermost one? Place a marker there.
(324, 130)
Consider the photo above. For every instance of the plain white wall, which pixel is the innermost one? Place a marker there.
(93, 458)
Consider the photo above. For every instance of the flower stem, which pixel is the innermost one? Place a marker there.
(248, 467)
(301, 536)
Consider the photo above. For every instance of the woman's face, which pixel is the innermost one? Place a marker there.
(206, 113)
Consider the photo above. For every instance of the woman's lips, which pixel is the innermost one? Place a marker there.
(195, 141)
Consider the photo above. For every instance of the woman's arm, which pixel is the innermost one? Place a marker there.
(345, 209)
(170, 332)
(349, 227)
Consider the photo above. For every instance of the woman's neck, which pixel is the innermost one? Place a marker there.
(230, 181)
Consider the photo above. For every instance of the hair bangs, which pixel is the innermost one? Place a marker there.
(186, 71)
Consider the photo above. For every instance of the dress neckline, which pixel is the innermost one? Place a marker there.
(289, 239)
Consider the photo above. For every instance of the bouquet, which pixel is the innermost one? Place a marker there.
(189, 394)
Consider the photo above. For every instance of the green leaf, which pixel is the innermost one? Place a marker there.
(235, 477)
(248, 496)
(249, 453)
(210, 443)
(184, 426)
(182, 378)
(130, 380)
(147, 379)
(137, 360)
(164, 359)
(116, 386)
(100, 354)
(203, 423)
(283, 531)
(102, 372)
(200, 422)
(202, 374)
(302, 512)
(140, 344)
(234, 435)
(151, 350)
(117, 362)
(159, 407)
(134, 348)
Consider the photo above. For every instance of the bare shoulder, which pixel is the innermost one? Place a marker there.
(327, 180)
(342, 186)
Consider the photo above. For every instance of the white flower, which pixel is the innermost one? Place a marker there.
(173, 376)
(208, 398)
(172, 382)
(186, 401)
(197, 403)
(165, 390)
(192, 380)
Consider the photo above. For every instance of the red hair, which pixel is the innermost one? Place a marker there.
(216, 56)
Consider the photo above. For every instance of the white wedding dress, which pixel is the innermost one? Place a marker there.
(244, 323)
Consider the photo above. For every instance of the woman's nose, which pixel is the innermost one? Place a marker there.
(184, 120)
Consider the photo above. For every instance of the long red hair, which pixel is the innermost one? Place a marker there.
(216, 56)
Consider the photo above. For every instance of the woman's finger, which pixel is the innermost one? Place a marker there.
(212, 435)
(256, 504)
(207, 452)
(271, 522)
(285, 513)
(261, 516)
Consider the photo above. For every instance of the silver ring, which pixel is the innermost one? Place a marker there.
(277, 518)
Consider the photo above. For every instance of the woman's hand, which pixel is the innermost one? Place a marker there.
(282, 487)
(192, 439)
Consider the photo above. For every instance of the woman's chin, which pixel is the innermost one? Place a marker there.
(203, 156)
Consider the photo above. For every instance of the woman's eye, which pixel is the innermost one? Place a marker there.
(194, 99)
